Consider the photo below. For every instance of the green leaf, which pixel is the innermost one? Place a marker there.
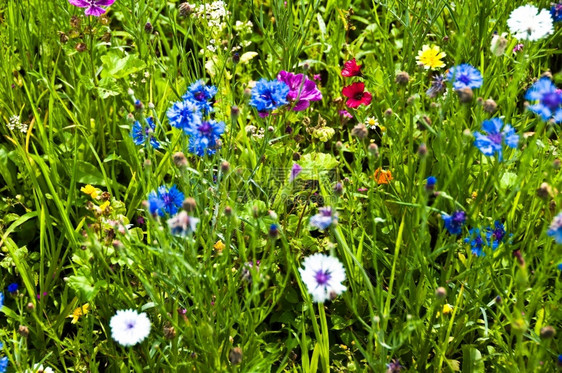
(120, 67)
(472, 359)
(88, 174)
(84, 287)
(315, 165)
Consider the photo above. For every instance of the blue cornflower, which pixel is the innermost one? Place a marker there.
(476, 242)
(201, 94)
(464, 76)
(165, 201)
(495, 235)
(555, 229)
(549, 105)
(13, 287)
(454, 222)
(556, 12)
(1, 300)
(430, 182)
(184, 114)
(269, 95)
(140, 134)
(203, 138)
(492, 143)
(3, 364)
(324, 218)
(559, 266)
(437, 86)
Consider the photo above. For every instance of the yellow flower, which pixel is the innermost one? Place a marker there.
(430, 57)
(105, 207)
(219, 246)
(447, 309)
(80, 311)
(90, 190)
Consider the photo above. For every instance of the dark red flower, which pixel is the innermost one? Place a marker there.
(356, 95)
(351, 68)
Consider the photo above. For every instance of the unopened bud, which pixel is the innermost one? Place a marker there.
(388, 112)
(179, 160)
(228, 211)
(234, 112)
(169, 332)
(338, 189)
(441, 292)
(422, 150)
(544, 191)
(81, 47)
(148, 27)
(360, 131)
(189, 204)
(548, 332)
(30, 306)
(235, 356)
(465, 94)
(489, 106)
(402, 78)
(374, 149)
(185, 9)
(339, 145)
(23, 331)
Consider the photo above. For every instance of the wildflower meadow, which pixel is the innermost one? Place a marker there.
(280, 186)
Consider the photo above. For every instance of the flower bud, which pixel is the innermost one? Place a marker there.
(23, 331)
(225, 167)
(148, 27)
(402, 78)
(179, 160)
(360, 131)
(422, 150)
(489, 106)
(374, 149)
(388, 112)
(189, 204)
(465, 94)
(235, 356)
(548, 332)
(441, 292)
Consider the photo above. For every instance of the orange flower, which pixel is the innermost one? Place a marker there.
(382, 177)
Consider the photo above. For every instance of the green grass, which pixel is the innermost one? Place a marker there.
(390, 237)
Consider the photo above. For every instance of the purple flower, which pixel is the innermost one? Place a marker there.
(295, 171)
(93, 7)
(324, 218)
(301, 89)
(454, 222)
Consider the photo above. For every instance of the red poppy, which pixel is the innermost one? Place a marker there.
(356, 95)
(351, 68)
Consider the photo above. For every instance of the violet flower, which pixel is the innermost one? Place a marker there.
(301, 89)
(295, 171)
(93, 7)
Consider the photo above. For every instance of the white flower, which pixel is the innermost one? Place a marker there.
(323, 275)
(372, 123)
(182, 224)
(528, 23)
(14, 122)
(128, 327)
(499, 44)
(39, 368)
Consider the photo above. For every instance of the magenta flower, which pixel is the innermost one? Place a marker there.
(301, 90)
(93, 7)
(295, 171)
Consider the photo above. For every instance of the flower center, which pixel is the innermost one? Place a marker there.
(130, 325)
(205, 128)
(200, 96)
(167, 199)
(552, 100)
(464, 79)
(322, 277)
(358, 96)
(496, 138)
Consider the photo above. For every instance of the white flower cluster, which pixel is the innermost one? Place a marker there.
(14, 122)
(215, 14)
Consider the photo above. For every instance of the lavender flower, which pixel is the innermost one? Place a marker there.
(324, 218)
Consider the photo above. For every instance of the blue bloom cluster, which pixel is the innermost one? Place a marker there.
(555, 229)
(556, 12)
(496, 135)
(268, 95)
(141, 134)
(489, 237)
(165, 201)
(549, 105)
(3, 361)
(324, 219)
(454, 222)
(188, 115)
(465, 76)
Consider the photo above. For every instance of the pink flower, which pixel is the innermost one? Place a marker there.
(301, 89)
(93, 7)
(351, 68)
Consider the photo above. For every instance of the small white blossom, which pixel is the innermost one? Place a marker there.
(528, 23)
(128, 327)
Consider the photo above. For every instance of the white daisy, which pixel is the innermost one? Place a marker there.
(528, 23)
(128, 327)
(323, 276)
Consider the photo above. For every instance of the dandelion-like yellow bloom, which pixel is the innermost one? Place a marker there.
(80, 311)
(219, 246)
(430, 57)
(90, 190)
